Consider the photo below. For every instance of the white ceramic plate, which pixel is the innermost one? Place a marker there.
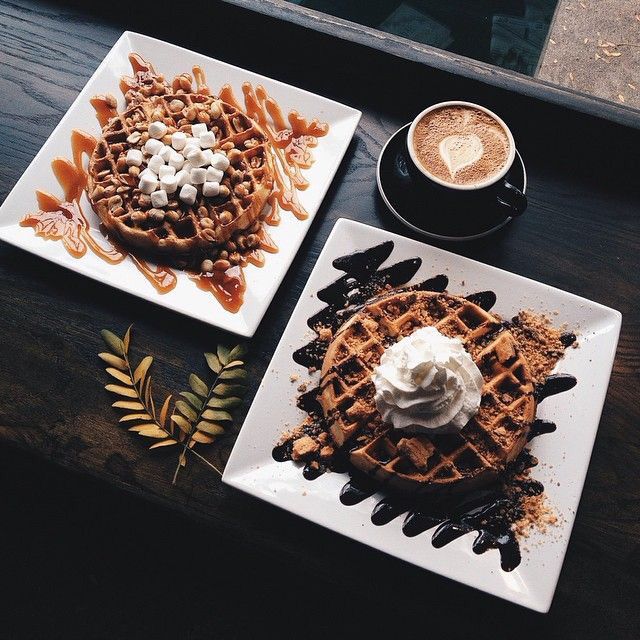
(185, 298)
(564, 454)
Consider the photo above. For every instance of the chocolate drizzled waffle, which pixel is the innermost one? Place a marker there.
(421, 463)
(180, 233)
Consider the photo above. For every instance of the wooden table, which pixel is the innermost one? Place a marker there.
(81, 559)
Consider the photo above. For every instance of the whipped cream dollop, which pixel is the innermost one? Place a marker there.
(427, 383)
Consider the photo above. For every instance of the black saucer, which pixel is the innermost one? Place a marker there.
(421, 207)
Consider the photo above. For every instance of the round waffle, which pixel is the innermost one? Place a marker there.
(180, 233)
(421, 463)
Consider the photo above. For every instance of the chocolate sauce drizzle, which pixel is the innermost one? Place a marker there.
(484, 299)
(363, 280)
(554, 384)
(568, 339)
(490, 511)
(540, 427)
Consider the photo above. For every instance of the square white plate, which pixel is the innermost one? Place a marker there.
(564, 454)
(186, 298)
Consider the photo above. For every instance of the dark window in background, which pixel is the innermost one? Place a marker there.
(507, 33)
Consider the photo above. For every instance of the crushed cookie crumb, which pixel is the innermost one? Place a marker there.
(537, 515)
(326, 452)
(539, 342)
(304, 447)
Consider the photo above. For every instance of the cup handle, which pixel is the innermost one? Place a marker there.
(512, 198)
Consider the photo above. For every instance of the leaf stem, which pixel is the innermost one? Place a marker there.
(175, 474)
(203, 459)
(197, 455)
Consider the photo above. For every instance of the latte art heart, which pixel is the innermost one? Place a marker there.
(460, 151)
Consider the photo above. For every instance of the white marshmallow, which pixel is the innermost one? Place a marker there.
(134, 157)
(198, 176)
(182, 178)
(166, 171)
(214, 175)
(148, 184)
(188, 193)
(197, 158)
(159, 199)
(210, 189)
(208, 140)
(178, 140)
(155, 162)
(187, 166)
(176, 160)
(166, 152)
(220, 161)
(148, 173)
(169, 184)
(198, 129)
(188, 150)
(152, 146)
(191, 143)
(208, 154)
(157, 129)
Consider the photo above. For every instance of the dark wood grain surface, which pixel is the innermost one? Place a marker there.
(81, 558)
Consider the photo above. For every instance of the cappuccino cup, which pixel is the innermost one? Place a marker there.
(464, 153)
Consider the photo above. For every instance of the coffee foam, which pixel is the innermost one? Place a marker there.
(461, 145)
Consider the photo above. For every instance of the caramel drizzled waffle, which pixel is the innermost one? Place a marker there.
(180, 233)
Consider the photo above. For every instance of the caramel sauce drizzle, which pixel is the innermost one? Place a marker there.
(201, 81)
(162, 278)
(64, 219)
(141, 66)
(267, 245)
(58, 220)
(143, 74)
(105, 108)
(291, 142)
(228, 286)
(291, 139)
